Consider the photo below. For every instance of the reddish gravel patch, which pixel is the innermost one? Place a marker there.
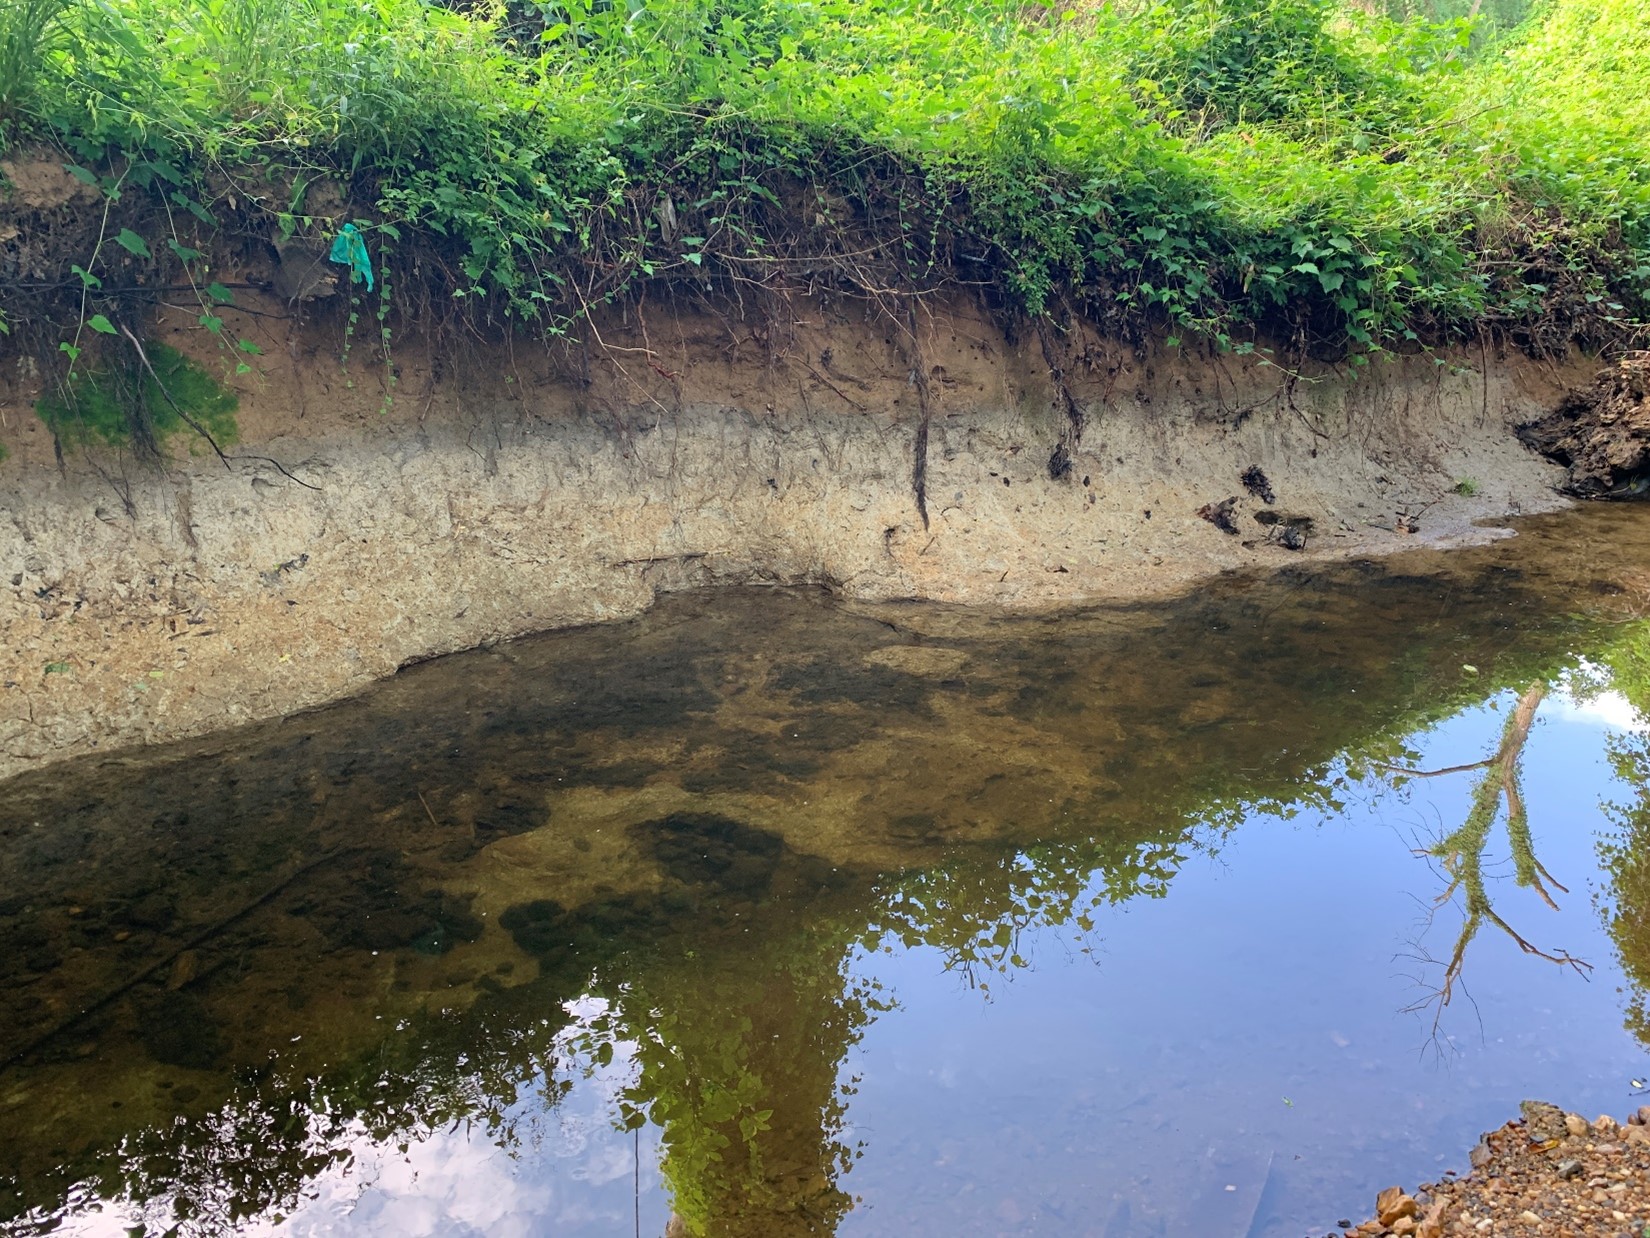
(1548, 1174)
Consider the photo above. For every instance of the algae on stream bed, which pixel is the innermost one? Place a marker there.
(853, 920)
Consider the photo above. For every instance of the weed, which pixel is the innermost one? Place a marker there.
(1348, 180)
(29, 34)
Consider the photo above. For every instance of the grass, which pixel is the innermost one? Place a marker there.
(1239, 169)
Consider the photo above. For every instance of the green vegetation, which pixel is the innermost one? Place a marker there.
(1294, 168)
(143, 405)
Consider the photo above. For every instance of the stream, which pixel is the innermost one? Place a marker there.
(786, 916)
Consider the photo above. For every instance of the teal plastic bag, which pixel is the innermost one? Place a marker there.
(350, 248)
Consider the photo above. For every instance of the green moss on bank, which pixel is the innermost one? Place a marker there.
(1223, 166)
(116, 407)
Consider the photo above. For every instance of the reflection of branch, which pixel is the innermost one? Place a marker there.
(1431, 773)
(1462, 854)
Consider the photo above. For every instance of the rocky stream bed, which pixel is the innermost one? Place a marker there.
(1545, 1173)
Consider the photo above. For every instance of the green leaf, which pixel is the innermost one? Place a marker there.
(100, 324)
(87, 279)
(84, 175)
(248, 346)
(212, 323)
(220, 294)
(182, 252)
(132, 243)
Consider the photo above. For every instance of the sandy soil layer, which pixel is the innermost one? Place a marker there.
(508, 489)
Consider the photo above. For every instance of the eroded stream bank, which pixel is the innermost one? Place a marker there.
(511, 490)
(798, 918)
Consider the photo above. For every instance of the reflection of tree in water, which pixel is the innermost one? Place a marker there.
(1626, 905)
(1619, 664)
(739, 1030)
(1461, 854)
(737, 1055)
(281, 1129)
(1626, 908)
(739, 1019)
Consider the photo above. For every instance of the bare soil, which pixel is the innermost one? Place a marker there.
(383, 509)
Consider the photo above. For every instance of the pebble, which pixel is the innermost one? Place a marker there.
(1536, 1176)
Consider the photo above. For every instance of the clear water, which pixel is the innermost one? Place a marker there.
(793, 918)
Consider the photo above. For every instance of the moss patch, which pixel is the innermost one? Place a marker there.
(114, 406)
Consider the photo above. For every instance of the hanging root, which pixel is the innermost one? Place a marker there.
(1071, 434)
(919, 377)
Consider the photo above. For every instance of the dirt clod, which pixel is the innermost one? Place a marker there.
(1256, 483)
(1220, 514)
(1602, 433)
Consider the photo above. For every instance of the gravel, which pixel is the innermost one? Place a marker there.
(1546, 1173)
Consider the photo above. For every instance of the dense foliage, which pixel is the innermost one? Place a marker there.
(1315, 172)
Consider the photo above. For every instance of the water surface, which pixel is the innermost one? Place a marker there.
(795, 918)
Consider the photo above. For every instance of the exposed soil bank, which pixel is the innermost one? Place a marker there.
(509, 490)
